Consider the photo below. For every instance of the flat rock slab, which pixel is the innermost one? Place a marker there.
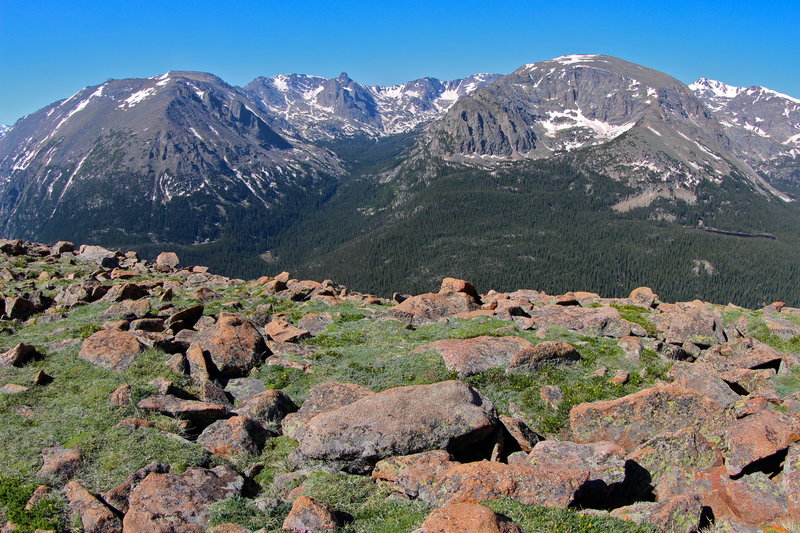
(632, 420)
(600, 321)
(429, 307)
(472, 482)
(111, 349)
(179, 408)
(686, 448)
(398, 421)
(472, 356)
(604, 460)
(324, 397)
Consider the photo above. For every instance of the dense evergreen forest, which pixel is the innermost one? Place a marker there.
(540, 225)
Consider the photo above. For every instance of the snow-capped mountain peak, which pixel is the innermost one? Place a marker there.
(716, 89)
(4, 129)
(321, 108)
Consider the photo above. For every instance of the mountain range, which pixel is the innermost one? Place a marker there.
(376, 183)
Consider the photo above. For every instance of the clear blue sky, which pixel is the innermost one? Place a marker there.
(49, 49)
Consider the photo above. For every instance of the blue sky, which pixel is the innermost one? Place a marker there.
(50, 49)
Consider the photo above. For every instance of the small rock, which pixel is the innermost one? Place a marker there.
(40, 493)
(321, 398)
(467, 517)
(282, 331)
(679, 514)
(19, 356)
(643, 296)
(179, 502)
(315, 323)
(243, 388)
(471, 356)
(147, 324)
(233, 344)
(118, 496)
(112, 349)
(193, 410)
(453, 285)
(41, 378)
(631, 420)
(525, 437)
(620, 378)
(134, 423)
(59, 462)
(483, 480)
(19, 308)
(551, 395)
(184, 319)
(686, 448)
(413, 475)
(121, 395)
(235, 436)
(310, 515)
(62, 247)
(356, 436)
(603, 460)
(12, 388)
(758, 436)
(96, 517)
(167, 261)
(267, 408)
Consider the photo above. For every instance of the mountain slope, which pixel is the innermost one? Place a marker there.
(610, 116)
(764, 126)
(583, 171)
(320, 108)
(182, 149)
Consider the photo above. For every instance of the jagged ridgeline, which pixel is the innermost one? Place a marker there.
(583, 171)
(143, 396)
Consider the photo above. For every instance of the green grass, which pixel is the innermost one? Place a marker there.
(46, 514)
(243, 511)
(535, 519)
(74, 411)
(366, 502)
(637, 315)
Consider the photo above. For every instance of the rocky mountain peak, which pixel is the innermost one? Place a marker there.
(319, 108)
(763, 124)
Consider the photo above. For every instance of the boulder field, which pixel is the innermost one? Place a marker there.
(147, 396)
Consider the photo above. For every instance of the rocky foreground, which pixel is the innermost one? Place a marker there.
(150, 397)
